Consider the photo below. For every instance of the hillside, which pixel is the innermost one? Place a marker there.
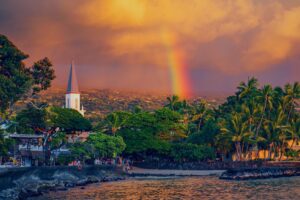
(98, 103)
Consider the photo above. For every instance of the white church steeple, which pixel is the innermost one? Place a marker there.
(73, 94)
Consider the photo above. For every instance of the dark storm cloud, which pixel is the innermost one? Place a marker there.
(119, 43)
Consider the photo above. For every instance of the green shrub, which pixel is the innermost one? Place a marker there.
(184, 152)
(64, 159)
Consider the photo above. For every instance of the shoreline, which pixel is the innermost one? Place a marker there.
(260, 173)
(142, 172)
(22, 183)
(230, 174)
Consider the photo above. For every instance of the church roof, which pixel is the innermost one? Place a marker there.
(72, 83)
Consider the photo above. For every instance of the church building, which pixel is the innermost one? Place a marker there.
(73, 94)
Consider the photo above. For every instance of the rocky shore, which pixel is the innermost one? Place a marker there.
(260, 173)
(22, 183)
(214, 165)
(140, 172)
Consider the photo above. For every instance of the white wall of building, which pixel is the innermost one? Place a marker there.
(73, 101)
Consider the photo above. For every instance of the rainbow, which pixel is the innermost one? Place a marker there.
(177, 67)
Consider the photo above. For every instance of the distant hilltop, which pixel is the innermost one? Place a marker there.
(99, 102)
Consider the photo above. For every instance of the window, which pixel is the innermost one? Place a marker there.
(68, 103)
(76, 104)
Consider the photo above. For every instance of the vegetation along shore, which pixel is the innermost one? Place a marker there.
(258, 123)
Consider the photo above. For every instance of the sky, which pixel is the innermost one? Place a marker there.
(159, 45)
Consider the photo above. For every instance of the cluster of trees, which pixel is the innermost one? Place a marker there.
(260, 119)
(18, 82)
(254, 118)
(53, 122)
(97, 146)
(162, 133)
(140, 135)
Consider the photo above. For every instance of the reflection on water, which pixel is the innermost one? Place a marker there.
(185, 188)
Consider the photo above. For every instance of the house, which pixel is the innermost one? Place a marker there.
(28, 149)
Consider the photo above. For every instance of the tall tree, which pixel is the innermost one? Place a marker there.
(114, 122)
(247, 89)
(18, 81)
(198, 113)
(235, 129)
(265, 96)
(173, 102)
(292, 93)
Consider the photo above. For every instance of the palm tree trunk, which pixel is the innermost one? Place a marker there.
(281, 151)
(259, 126)
(290, 111)
(257, 154)
(261, 119)
(270, 151)
(246, 151)
(238, 150)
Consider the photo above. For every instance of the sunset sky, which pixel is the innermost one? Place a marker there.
(133, 44)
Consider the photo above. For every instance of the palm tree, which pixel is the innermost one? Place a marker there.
(172, 102)
(265, 96)
(236, 131)
(115, 121)
(250, 112)
(276, 130)
(292, 93)
(246, 89)
(294, 131)
(198, 113)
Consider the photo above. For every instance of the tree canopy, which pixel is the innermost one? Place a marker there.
(18, 81)
(34, 120)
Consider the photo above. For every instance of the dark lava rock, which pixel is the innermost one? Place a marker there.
(70, 184)
(29, 191)
(259, 173)
(112, 178)
(45, 186)
(22, 183)
(9, 194)
(92, 179)
(82, 182)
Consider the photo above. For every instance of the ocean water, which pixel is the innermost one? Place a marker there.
(183, 188)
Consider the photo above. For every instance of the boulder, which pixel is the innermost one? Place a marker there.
(29, 191)
(9, 194)
(92, 179)
(45, 186)
(69, 184)
(82, 182)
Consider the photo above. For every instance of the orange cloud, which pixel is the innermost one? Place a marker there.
(113, 12)
(139, 24)
(276, 40)
(124, 38)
